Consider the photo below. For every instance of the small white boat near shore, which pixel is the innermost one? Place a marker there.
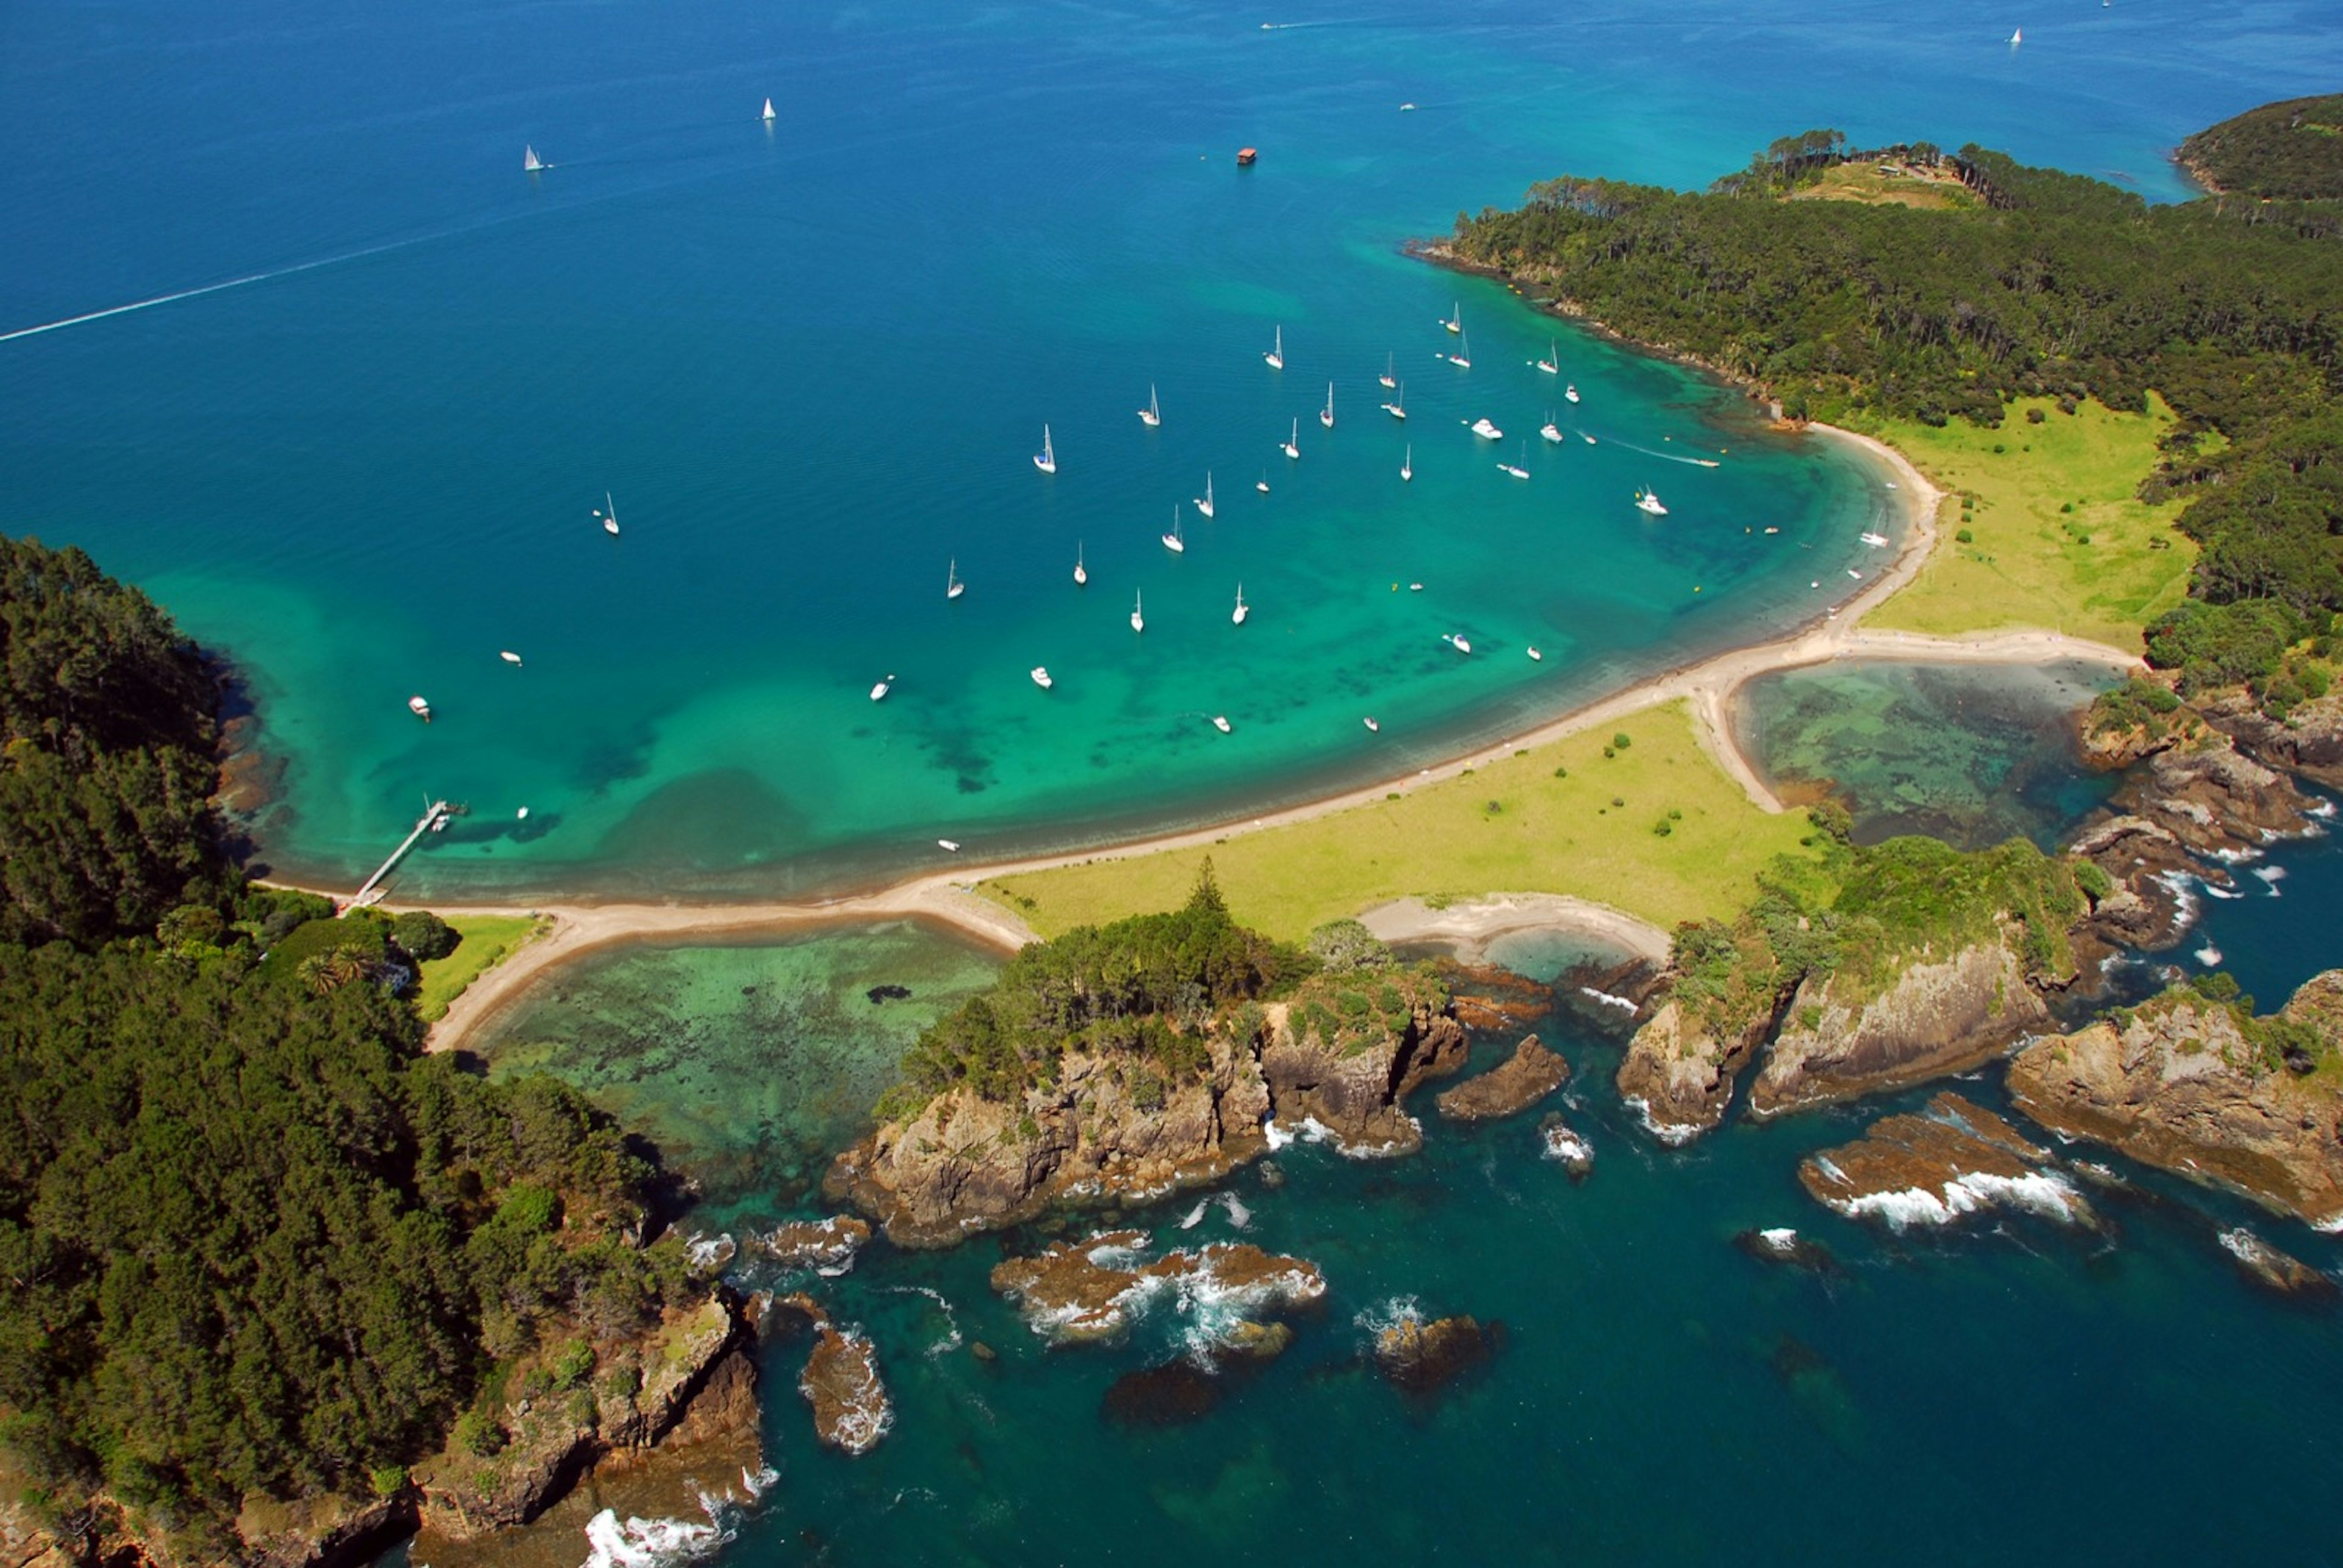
(1220, 722)
(1551, 363)
(1372, 726)
(1877, 541)
(1456, 641)
(951, 844)
(1570, 393)
(1455, 322)
(1534, 654)
(420, 708)
(1462, 357)
(882, 688)
(1649, 501)
(1041, 673)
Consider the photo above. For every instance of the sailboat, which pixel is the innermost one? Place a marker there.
(1326, 415)
(1262, 483)
(882, 688)
(1407, 464)
(1386, 376)
(530, 163)
(1518, 468)
(1276, 356)
(953, 587)
(768, 115)
(1550, 431)
(1455, 322)
(1648, 501)
(1462, 357)
(1242, 610)
(2018, 37)
(1152, 415)
(1082, 573)
(1205, 505)
(1293, 441)
(1551, 363)
(1397, 406)
(1046, 459)
(1173, 541)
(1137, 609)
(610, 516)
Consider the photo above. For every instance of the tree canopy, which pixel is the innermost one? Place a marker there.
(2292, 149)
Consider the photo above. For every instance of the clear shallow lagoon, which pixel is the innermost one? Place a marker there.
(2012, 1391)
(810, 361)
(1971, 754)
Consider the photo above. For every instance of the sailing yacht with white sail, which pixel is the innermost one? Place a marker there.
(953, 587)
(1243, 609)
(530, 163)
(1082, 572)
(1137, 612)
(1326, 415)
(1551, 363)
(1046, 459)
(1518, 468)
(768, 115)
(1455, 322)
(1205, 506)
(1397, 406)
(1174, 541)
(609, 515)
(1293, 442)
(1386, 376)
(1276, 356)
(1462, 357)
(1407, 464)
(1152, 415)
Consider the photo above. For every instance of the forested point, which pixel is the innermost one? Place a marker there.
(253, 1241)
(2290, 151)
(2052, 285)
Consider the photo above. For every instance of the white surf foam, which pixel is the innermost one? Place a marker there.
(648, 1543)
(1196, 1215)
(1233, 1206)
(1780, 1238)
(1605, 997)
(1671, 1133)
(1970, 1194)
(2209, 955)
(951, 1340)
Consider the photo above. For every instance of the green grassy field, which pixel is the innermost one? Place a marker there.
(2058, 539)
(1510, 827)
(487, 940)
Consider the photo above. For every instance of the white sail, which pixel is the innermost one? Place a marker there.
(769, 110)
(530, 161)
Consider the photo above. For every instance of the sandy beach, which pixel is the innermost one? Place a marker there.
(1707, 685)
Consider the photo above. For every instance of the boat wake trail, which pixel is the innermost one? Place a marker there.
(195, 293)
(1666, 456)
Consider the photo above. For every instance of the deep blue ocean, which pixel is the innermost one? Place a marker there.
(352, 386)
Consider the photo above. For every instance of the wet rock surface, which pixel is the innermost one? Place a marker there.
(1523, 1079)
(2273, 1270)
(1090, 1290)
(1566, 1146)
(1679, 1076)
(1493, 1000)
(1784, 1245)
(827, 1244)
(1426, 1357)
(1359, 1094)
(1957, 1160)
(852, 1411)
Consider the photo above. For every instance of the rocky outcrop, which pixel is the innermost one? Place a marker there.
(2308, 740)
(827, 1245)
(1840, 1038)
(965, 1164)
(1357, 1088)
(1782, 1244)
(1957, 1160)
(1679, 1076)
(2175, 1083)
(1523, 1079)
(1564, 1146)
(2214, 799)
(1425, 1357)
(637, 1394)
(1088, 1291)
(1493, 1000)
(2273, 1270)
(2144, 906)
(841, 1381)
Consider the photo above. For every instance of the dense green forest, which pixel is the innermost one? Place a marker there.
(2291, 150)
(2055, 285)
(254, 1239)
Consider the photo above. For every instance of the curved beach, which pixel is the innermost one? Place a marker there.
(1707, 685)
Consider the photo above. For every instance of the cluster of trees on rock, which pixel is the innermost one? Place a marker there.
(2064, 286)
(252, 1241)
(1146, 986)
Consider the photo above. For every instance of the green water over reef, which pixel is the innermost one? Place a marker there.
(2011, 1390)
(1972, 754)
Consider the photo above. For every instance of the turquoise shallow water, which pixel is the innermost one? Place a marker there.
(810, 361)
(1971, 754)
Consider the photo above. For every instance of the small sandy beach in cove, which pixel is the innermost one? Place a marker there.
(1707, 685)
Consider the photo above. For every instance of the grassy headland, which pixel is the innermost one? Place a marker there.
(486, 940)
(1593, 828)
(2043, 525)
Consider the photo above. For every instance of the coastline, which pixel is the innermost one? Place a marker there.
(948, 898)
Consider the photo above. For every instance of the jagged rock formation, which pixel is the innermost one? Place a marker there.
(825, 1244)
(1959, 1158)
(1520, 1081)
(2271, 1269)
(1424, 1357)
(2309, 741)
(850, 1408)
(1933, 1017)
(1086, 1291)
(2192, 1086)
(1357, 1091)
(2214, 799)
(1679, 1075)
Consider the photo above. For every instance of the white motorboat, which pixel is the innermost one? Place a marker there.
(1875, 541)
(609, 515)
(1551, 363)
(1550, 431)
(1647, 501)
(1486, 431)
(1041, 673)
(1455, 639)
(509, 656)
(1175, 541)
(1293, 447)
(1407, 464)
(420, 708)
(1570, 393)
(1371, 725)
(1152, 415)
(1535, 654)
(1386, 376)
(1139, 611)
(1276, 356)
(1220, 722)
(951, 844)
(1205, 506)
(1326, 415)
(1397, 406)
(882, 688)
(1237, 616)
(1082, 572)
(1462, 357)
(953, 587)
(1046, 459)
